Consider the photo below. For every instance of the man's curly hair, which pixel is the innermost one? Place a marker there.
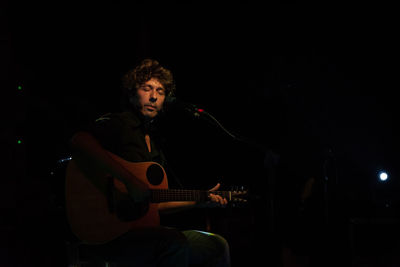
(144, 71)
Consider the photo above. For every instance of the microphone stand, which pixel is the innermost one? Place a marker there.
(192, 109)
(271, 160)
(235, 137)
(329, 166)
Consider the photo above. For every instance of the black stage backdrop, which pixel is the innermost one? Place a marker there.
(307, 89)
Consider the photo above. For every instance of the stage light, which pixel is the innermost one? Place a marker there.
(383, 176)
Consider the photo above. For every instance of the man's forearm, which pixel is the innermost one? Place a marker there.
(88, 150)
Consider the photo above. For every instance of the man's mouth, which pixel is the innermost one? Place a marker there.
(150, 107)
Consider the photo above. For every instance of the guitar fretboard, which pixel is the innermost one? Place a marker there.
(163, 195)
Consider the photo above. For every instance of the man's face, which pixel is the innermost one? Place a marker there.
(151, 96)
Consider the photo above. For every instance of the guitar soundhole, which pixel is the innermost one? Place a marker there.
(155, 174)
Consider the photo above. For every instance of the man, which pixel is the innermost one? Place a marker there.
(129, 135)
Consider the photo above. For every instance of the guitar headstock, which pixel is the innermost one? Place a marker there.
(238, 195)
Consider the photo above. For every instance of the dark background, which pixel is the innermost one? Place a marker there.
(311, 88)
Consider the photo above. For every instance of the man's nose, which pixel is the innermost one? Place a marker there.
(153, 96)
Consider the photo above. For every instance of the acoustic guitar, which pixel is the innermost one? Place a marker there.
(99, 208)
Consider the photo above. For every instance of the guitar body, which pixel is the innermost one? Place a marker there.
(88, 193)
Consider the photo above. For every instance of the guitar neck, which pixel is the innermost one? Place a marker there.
(164, 195)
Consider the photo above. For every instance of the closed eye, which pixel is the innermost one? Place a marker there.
(161, 91)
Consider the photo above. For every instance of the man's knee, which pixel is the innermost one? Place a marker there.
(175, 238)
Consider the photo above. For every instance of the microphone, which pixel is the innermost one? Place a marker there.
(173, 103)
